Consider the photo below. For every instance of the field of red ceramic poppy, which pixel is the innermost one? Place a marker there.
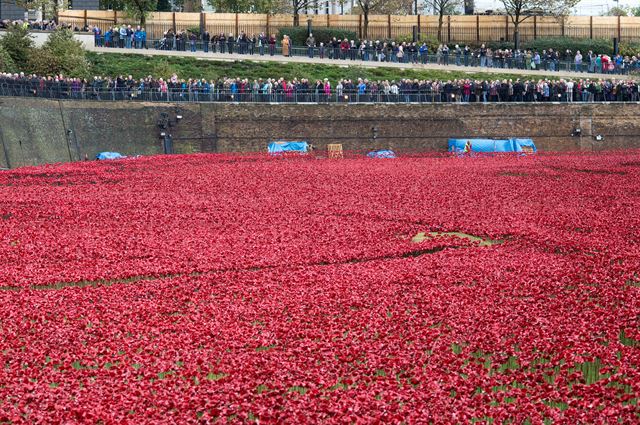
(247, 289)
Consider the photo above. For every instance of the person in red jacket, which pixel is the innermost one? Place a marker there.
(344, 48)
(466, 91)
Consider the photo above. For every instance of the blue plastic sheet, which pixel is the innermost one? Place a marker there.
(109, 155)
(382, 154)
(276, 148)
(491, 145)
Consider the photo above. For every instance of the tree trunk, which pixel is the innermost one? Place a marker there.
(55, 12)
(365, 29)
(440, 22)
(296, 19)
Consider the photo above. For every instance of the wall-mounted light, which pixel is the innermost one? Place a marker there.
(599, 138)
(576, 132)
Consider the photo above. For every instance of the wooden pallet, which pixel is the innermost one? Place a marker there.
(335, 151)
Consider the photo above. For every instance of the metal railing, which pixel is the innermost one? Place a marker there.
(227, 95)
(472, 59)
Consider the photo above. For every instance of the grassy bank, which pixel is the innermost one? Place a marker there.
(140, 66)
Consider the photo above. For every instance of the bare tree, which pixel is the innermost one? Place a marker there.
(521, 10)
(441, 8)
(297, 6)
(384, 7)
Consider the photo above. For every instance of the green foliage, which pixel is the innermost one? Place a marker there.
(61, 54)
(630, 48)
(17, 43)
(6, 62)
(597, 45)
(617, 11)
(163, 6)
(298, 35)
(194, 30)
(432, 42)
(242, 6)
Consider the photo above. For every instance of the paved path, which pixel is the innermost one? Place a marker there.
(368, 64)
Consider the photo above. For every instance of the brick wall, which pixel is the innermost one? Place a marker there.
(36, 131)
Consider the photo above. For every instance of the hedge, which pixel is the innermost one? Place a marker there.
(561, 44)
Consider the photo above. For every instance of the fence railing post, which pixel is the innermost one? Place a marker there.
(237, 26)
(448, 28)
(173, 18)
(419, 25)
(389, 27)
(115, 17)
(328, 20)
(85, 18)
(478, 28)
(360, 26)
(535, 27)
(591, 27)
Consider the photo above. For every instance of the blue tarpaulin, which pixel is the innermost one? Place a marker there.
(382, 154)
(282, 147)
(109, 155)
(491, 145)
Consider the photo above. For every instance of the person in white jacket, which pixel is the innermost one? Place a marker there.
(569, 91)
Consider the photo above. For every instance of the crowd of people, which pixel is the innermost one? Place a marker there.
(130, 37)
(43, 25)
(370, 50)
(303, 90)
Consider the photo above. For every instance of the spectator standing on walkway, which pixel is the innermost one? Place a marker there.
(445, 54)
(311, 45)
(123, 36)
(115, 35)
(230, 43)
(458, 53)
(272, 44)
(192, 41)
(242, 43)
(263, 41)
(205, 40)
(335, 45)
(578, 61)
(286, 45)
(222, 42)
(424, 53)
(483, 56)
(137, 37)
(97, 37)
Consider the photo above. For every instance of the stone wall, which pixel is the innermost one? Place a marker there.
(40, 37)
(36, 131)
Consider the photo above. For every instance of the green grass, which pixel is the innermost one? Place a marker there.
(114, 64)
